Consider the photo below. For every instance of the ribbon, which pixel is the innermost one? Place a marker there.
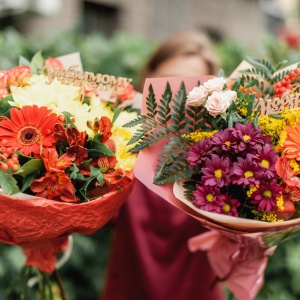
(43, 255)
(237, 260)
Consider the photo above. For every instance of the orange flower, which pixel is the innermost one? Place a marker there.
(29, 129)
(54, 62)
(54, 186)
(126, 94)
(291, 146)
(53, 163)
(16, 76)
(105, 129)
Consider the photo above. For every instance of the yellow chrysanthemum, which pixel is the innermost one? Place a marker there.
(122, 136)
(54, 95)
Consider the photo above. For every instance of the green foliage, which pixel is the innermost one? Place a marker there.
(162, 122)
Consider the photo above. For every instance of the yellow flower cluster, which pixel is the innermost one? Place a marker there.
(251, 190)
(276, 127)
(264, 215)
(294, 165)
(280, 202)
(197, 136)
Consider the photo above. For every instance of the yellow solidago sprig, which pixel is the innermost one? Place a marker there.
(199, 135)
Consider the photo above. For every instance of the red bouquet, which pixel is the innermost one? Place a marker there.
(64, 164)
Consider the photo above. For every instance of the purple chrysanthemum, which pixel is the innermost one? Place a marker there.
(266, 194)
(246, 172)
(216, 171)
(209, 198)
(224, 140)
(266, 158)
(248, 137)
(199, 152)
(230, 207)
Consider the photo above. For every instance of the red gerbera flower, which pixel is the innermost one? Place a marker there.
(29, 129)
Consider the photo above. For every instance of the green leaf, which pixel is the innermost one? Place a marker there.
(178, 109)
(99, 147)
(68, 119)
(8, 183)
(117, 112)
(5, 106)
(24, 61)
(32, 166)
(276, 117)
(164, 109)
(37, 62)
(151, 103)
(136, 137)
(221, 73)
(26, 182)
(139, 120)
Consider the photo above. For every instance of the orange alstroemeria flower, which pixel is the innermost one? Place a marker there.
(54, 186)
(53, 163)
(105, 128)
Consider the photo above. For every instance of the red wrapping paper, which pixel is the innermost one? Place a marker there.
(41, 226)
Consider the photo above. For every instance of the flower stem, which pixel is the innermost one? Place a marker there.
(60, 285)
(25, 284)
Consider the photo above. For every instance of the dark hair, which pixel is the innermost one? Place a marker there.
(183, 44)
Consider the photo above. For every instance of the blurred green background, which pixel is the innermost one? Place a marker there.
(124, 54)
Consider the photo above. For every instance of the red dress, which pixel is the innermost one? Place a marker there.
(150, 259)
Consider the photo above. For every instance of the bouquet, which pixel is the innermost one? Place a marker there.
(226, 151)
(64, 163)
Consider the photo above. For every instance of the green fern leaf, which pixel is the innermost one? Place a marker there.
(164, 109)
(139, 120)
(169, 152)
(137, 136)
(177, 170)
(178, 106)
(148, 139)
(151, 103)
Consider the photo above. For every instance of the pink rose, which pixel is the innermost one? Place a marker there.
(231, 95)
(215, 84)
(217, 103)
(197, 96)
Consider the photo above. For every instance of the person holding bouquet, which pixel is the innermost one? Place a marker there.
(150, 259)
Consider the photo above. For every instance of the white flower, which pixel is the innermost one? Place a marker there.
(232, 96)
(217, 103)
(197, 96)
(214, 85)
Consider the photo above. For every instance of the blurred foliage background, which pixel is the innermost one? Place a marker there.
(123, 54)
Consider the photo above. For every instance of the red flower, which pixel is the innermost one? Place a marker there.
(29, 129)
(105, 129)
(54, 186)
(127, 93)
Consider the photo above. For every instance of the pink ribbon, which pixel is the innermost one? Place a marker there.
(239, 261)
